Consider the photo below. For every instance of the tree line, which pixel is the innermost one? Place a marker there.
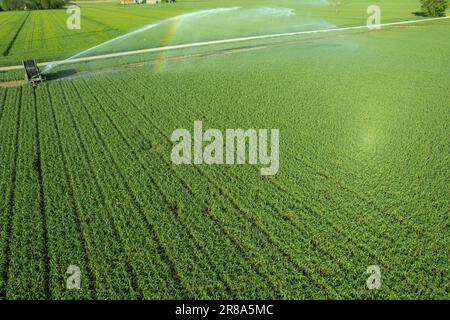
(434, 8)
(7, 5)
(429, 7)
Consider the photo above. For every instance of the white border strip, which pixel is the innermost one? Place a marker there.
(214, 42)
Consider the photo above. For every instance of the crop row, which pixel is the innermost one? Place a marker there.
(10, 126)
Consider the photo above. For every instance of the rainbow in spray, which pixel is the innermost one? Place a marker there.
(174, 23)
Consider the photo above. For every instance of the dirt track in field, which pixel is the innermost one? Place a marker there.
(12, 83)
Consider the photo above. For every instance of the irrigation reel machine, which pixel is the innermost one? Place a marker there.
(32, 73)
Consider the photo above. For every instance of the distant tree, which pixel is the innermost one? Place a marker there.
(32, 4)
(434, 8)
(5, 5)
(12, 4)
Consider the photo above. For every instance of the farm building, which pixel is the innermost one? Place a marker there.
(139, 1)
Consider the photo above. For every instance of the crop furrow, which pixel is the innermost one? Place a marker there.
(13, 40)
(246, 214)
(78, 235)
(8, 121)
(42, 206)
(314, 211)
(160, 187)
(394, 218)
(12, 194)
(12, 15)
(97, 22)
(150, 229)
(295, 197)
(143, 168)
(103, 192)
(362, 244)
(347, 238)
(251, 218)
(238, 179)
(3, 104)
(112, 280)
(239, 246)
(27, 271)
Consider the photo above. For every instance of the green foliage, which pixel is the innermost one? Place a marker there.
(434, 8)
(5, 5)
(87, 180)
(32, 4)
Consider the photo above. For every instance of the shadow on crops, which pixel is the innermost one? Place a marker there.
(60, 74)
(423, 14)
(419, 14)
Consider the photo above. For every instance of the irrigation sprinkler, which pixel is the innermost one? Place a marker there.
(32, 72)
